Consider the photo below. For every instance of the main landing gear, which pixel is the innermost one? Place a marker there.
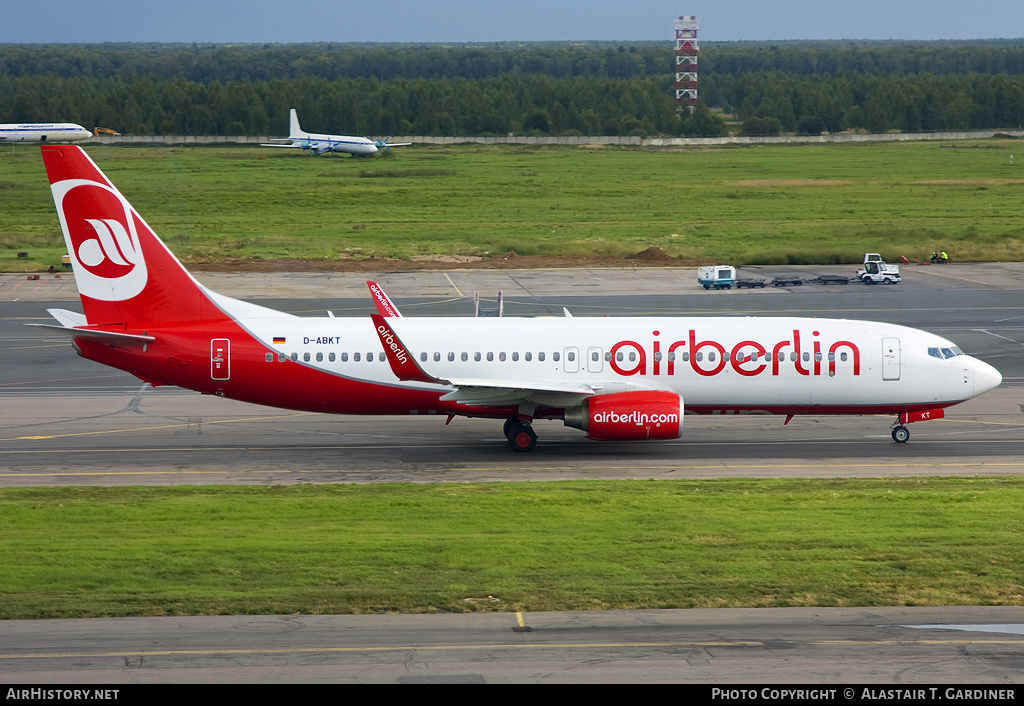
(520, 434)
(900, 433)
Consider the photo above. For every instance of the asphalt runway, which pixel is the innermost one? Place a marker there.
(836, 646)
(66, 421)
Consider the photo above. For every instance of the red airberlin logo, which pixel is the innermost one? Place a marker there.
(100, 233)
(812, 357)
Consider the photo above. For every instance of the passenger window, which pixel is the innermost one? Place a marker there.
(319, 357)
(381, 357)
(295, 357)
(437, 356)
(270, 357)
(330, 357)
(817, 357)
(344, 357)
(842, 356)
(711, 357)
(556, 356)
(792, 357)
(305, 357)
(465, 356)
(501, 356)
(356, 357)
(515, 355)
(699, 357)
(571, 357)
(281, 357)
(423, 357)
(476, 356)
(490, 356)
(529, 357)
(807, 356)
(619, 356)
(595, 356)
(451, 357)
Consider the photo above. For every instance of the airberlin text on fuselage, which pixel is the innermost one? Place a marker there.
(748, 358)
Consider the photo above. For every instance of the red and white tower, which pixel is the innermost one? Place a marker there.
(686, 63)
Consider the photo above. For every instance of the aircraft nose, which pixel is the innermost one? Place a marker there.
(985, 377)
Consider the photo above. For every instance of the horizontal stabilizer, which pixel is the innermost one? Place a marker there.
(72, 323)
(105, 336)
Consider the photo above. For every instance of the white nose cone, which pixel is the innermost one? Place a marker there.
(985, 377)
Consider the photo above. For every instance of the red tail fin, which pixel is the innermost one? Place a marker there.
(124, 272)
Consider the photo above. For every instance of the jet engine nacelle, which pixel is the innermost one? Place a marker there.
(629, 416)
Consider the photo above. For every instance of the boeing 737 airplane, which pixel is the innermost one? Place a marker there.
(43, 132)
(318, 144)
(614, 378)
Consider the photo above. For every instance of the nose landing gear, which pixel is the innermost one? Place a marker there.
(900, 434)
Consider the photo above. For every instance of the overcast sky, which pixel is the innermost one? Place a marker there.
(521, 20)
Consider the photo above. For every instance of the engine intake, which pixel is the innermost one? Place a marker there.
(629, 416)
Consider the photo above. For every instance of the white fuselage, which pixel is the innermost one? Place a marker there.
(717, 364)
(334, 143)
(43, 132)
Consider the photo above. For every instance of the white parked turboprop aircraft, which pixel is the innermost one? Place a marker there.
(43, 132)
(318, 144)
(614, 378)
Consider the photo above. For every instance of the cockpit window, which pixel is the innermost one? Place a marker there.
(944, 353)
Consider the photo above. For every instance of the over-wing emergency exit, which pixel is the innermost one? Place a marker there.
(614, 378)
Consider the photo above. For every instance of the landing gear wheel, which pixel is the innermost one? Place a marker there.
(522, 437)
(508, 426)
(900, 434)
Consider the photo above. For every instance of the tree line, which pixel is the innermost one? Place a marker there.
(533, 89)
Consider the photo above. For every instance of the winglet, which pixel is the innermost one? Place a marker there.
(385, 307)
(403, 363)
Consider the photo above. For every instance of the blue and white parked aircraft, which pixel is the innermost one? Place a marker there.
(318, 144)
(43, 132)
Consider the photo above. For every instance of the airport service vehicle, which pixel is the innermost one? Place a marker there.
(717, 276)
(615, 378)
(876, 271)
(318, 144)
(43, 132)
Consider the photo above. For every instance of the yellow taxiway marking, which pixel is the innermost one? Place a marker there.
(505, 646)
(457, 290)
(165, 426)
(634, 470)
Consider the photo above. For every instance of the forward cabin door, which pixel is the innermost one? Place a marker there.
(890, 359)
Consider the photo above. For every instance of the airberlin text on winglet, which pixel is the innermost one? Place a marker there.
(741, 356)
(390, 341)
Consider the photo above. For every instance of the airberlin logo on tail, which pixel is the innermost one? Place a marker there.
(101, 232)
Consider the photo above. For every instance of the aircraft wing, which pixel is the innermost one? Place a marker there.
(267, 144)
(486, 391)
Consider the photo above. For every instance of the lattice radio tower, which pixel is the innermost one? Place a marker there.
(686, 63)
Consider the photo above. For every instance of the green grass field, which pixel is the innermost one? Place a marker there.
(79, 552)
(800, 204)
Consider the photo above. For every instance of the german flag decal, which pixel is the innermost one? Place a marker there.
(278, 339)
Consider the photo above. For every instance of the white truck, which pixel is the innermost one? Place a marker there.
(876, 271)
(717, 276)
